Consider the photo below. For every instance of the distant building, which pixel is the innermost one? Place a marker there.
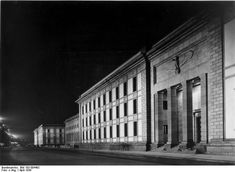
(72, 131)
(49, 135)
(180, 94)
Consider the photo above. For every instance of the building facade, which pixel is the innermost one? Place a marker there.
(178, 95)
(72, 131)
(49, 135)
(113, 112)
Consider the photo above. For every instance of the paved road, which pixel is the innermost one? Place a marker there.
(31, 156)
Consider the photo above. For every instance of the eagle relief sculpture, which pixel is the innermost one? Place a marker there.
(179, 64)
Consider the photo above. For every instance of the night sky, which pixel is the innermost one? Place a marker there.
(54, 51)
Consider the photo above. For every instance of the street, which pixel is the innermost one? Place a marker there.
(32, 156)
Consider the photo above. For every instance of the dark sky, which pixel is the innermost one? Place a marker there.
(54, 51)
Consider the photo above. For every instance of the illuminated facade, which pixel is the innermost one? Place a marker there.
(72, 131)
(178, 95)
(49, 135)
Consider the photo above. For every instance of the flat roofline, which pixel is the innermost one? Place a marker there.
(109, 75)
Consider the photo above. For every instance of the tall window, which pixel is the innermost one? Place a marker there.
(134, 84)
(86, 108)
(125, 130)
(83, 122)
(164, 105)
(165, 129)
(135, 128)
(87, 135)
(94, 134)
(135, 106)
(98, 101)
(110, 96)
(125, 109)
(83, 136)
(99, 118)
(86, 121)
(125, 89)
(111, 132)
(154, 74)
(90, 120)
(93, 104)
(104, 116)
(90, 106)
(110, 114)
(99, 133)
(118, 130)
(90, 134)
(117, 111)
(104, 99)
(105, 132)
(82, 109)
(117, 92)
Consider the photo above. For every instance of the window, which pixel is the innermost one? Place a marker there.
(104, 99)
(154, 74)
(99, 133)
(104, 116)
(125, 89)
(99, 118)
(135, 106)
(93, 104)
(125, 109)
(118, 131)
(125, 130)
(135, 128)
(117, 111)
(111, 132)
(86, 135)
(90, 106)
(134, 84)
(110, 114)
(90, 135)
(117, 92)
(86, 108)
(83, 122)
(82, 109)
(110, 96)
(83, 136)
(105, 132)
(86, 122)
(165, 129)
(164, 105)
(98, 101)
(94, 134)
(90, 120)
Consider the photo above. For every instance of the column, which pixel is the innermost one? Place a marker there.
(172, 117)
(187, 114)
(204, 105)
(158, 128)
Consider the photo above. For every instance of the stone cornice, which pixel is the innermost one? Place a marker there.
(130, 64)
(71, 118)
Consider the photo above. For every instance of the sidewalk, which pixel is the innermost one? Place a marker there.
(205, 157)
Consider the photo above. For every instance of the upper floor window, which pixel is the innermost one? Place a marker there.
(135, 106)
(125, 109)
(110, 96)
(90, 106)
(125, 130)
(99, 117)
(117, 111)
(111, 132)
(125, 88)
(110, 114)
(86, 108)
(98, 101)
(118, 131)
(134, 84)
(164, 105)
(104, 99)
(154, 74)
(117, 92)
(104, 116)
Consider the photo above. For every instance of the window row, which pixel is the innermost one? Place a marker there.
(88, 107)
(88, 120)
(93, 133)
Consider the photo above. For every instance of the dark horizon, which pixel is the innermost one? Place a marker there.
(54, 51)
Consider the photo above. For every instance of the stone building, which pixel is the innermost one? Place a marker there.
(113, 112)
(49, 135)
(72, 131)
(193, 83)
(180, 94)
